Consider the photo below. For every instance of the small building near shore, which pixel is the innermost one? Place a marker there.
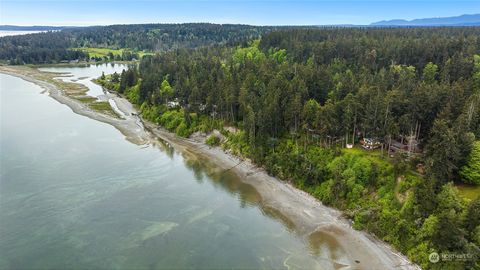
(406, 144)
(370, 143)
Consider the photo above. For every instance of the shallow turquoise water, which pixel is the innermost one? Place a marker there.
(75, 194)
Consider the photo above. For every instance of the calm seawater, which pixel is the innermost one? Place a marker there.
(75, 194)
(84, 75)
(17, 33)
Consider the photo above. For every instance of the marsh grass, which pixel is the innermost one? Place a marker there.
(86, 99)
(73, 90)
(102, 107)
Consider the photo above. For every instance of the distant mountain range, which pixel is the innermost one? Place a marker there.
(463, 20)
(31, 28)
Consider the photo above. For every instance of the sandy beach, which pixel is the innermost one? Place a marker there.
(308, 217)
(130, 125)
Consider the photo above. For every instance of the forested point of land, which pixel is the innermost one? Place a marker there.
(65, 45)
(381, 123)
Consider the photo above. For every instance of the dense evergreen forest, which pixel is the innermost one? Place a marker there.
(56, 46)
(301, 102)
(296, 100)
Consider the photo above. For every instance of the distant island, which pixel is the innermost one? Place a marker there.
(462, 20)
(32, 28)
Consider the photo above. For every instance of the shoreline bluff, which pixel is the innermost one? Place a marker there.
(308, 216)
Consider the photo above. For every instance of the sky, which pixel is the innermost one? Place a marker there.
(266, 12)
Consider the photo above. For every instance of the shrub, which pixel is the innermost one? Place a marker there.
(171, 120)
(213, 140)
(182, 130)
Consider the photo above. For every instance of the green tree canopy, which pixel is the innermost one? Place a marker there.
(430, 73)
(470, 173)
(166, 91)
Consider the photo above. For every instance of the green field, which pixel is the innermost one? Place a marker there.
(373, 155)
(468, 191)
(102, 52)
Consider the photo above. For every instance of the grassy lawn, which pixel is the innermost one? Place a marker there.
(102, 52)
(373, 155)
(468, 191)
(143, 53)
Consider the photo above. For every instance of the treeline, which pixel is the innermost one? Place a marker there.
(376, 48)
(48, 47)
(332, 98)
(55, 46)
(296, 97)
(125, 55)
(165, 37)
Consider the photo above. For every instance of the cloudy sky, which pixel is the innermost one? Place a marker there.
(267, 12)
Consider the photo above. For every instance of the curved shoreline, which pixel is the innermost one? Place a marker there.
(309, 217)
(129, 126)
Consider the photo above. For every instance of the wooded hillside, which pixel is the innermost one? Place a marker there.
(64, 45)
(299, 96)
